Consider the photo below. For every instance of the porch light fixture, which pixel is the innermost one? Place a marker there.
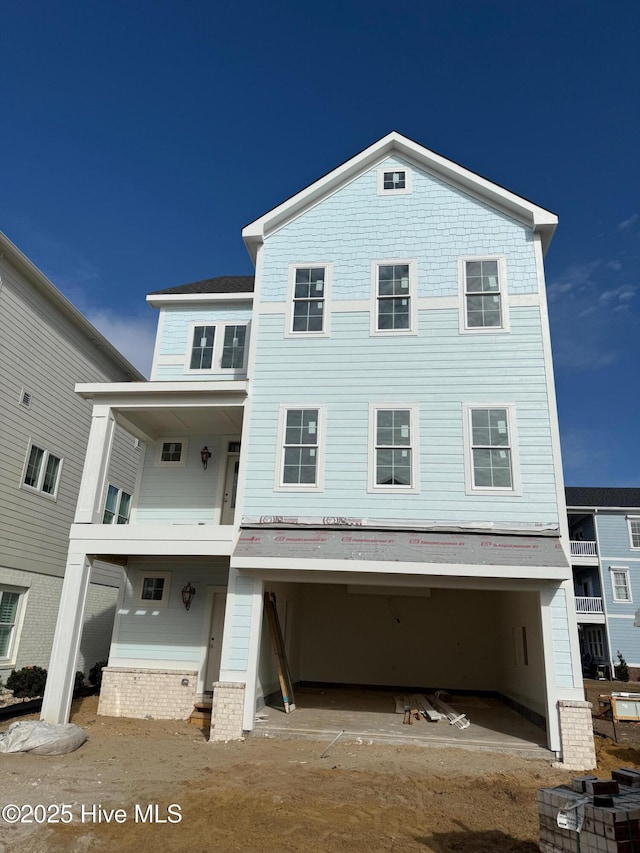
(205, 455)
(188, 592)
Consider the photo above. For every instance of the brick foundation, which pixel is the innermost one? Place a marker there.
(576, 735)
(157, 694)
(227, 711)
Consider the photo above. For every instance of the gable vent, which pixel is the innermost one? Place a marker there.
(25, 399)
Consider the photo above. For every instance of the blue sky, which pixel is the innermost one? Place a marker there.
(138, 138)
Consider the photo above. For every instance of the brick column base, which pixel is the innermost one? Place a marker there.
(227, 711)
(576, 736)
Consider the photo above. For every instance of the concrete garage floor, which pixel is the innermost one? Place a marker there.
(369, 715)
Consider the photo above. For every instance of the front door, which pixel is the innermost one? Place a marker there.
(230, 489)
(215, 639)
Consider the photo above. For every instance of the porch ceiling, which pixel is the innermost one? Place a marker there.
(154, 423)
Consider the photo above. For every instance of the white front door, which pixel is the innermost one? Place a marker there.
(215, 639)
(230, 488)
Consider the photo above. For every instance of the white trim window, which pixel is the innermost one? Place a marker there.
(308, 304)
(394, 180)
(172, 452)
(393, 290)
(393, 452)
(633, 522)
(216, 347)
(42, 472)
(594, 641)
(117, 506)
(482, 293)
(154, 588)
(300, 448)
(620, 584)
(10, 600)
(490, 442)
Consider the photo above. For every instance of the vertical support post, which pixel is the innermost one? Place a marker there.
(96, 466)
(553, 721)
(66, 640)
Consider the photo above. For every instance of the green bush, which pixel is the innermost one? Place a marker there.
(95, 673)
(78, 684)
(28, 682)
(621, 669)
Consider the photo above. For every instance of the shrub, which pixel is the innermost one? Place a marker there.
(621, 669)
(78, 684)
(28, 682)
(95, 673)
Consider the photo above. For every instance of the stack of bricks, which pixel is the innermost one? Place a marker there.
(610, 811)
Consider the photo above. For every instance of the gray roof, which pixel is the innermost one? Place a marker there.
(219, 284)
(602, 497)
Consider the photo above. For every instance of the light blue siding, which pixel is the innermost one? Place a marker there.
(624, 638)
(181, 493)
(435, 224)
(439, 370)
(174, 337)
(613, 535)
(240, 625)
(168, 633)
(560, 638)
(616, 553)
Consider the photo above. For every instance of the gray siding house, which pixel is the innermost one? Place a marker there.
(46, 346)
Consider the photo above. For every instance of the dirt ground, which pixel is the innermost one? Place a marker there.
(268, 795)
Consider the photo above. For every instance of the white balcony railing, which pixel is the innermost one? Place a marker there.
(588, 604)
(583, 548)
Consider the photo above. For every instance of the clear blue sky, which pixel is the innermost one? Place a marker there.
(139, 137)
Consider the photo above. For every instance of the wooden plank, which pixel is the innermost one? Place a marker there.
(277, 644)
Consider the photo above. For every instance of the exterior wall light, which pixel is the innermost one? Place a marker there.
(205, 455)
(188, 592)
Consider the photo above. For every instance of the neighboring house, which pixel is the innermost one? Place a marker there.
(604, 526)
(46, 346)
(380, 411)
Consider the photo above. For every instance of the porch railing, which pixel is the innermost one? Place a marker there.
(583, 548)
(588, 604)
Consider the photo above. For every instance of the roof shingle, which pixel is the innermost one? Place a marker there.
(602, 497)
(219, 284)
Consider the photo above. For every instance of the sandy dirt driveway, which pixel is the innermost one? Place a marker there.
(268, 795)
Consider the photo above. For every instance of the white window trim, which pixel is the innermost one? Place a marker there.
(631, 518)
(218, 346)
(622, 570)
(412, 296)
(37, 490)
(326, 317)
(14, 642)
(498, 491)
(114, 520)
(504, 302)
(392, 168)
(372, 486)
(318, 486)
(183, 455)
(166, 589)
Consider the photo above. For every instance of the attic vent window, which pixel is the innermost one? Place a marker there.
(25, 399)
(393, 181)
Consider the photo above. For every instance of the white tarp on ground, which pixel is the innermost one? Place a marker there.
(42, 738)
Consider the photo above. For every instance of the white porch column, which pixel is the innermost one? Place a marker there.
(96, 466)
(66, 640)
(241, 642)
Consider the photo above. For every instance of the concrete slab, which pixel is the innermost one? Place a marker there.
(369, 716)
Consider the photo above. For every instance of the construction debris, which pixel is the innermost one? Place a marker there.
(592, 815)
(460, 721)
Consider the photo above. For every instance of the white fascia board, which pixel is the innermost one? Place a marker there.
(144, 390)
(538, 573)
(538, 218)
(158, 300)
(601, 509)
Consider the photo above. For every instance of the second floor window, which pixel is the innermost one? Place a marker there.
(233, 347)
(483, 307)
(393, 450)
(42, 472)
(215, 348)
(308, 314)
(300, 447)
(491, 449)
(117, 506)
(620, 584)
(202, 348)
(634, 530)
(393, 298)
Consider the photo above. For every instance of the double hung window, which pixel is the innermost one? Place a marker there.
(42, 471)
(394, 297)
(634, 530)
(393, 454)
(216, 347)
(9, 608)
(309, 294)
(620, 584)
(482, 288)
(300, 464)
(117, 506)
(490, 449)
